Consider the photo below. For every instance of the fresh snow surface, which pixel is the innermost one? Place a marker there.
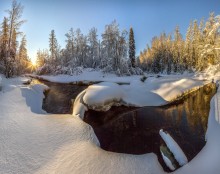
(34, 142)
(103, 95)
(167, 162)
(152, 92)
(174, 148)
(88, 75)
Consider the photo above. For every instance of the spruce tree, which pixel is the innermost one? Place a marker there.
(4, 45)
(132, 47)
(22, 58)
(53, 45)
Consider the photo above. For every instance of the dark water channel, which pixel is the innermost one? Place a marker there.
(58, 100)
(136, 130)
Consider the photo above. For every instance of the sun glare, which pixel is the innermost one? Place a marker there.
(33, 61)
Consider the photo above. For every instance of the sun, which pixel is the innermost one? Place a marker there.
(34, 61)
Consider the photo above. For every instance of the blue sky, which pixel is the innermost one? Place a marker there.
(147, 17)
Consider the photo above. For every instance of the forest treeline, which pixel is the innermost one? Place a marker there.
(171, 53)
(113, 51)
(13, 53)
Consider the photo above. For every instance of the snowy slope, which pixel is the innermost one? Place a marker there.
(36, 143)
(33, 142)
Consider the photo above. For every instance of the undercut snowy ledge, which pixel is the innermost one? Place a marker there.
(174, 148)
(102, 96)
(152, 92)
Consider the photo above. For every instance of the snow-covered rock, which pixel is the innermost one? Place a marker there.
(174, 148)
(167, 162)
(102, 96)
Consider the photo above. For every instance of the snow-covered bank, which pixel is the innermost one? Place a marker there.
(86, 76)
(41, 143)
(152, 92)
(207, 161)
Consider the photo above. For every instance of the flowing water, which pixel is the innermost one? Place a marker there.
(59, 99)
(136, 130)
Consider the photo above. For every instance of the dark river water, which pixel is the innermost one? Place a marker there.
(136, 130)
(58, 99)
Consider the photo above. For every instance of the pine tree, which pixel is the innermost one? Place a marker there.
(177, 50)
(69, 53)
(132, 47)
(23, 60)
(93, 48)
(4, 45)
(110, 38)
(14, 24)
(53, 47)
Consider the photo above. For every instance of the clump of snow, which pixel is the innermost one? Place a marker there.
(102, 96)
(167, 162)
(79, 107)
(174, 148)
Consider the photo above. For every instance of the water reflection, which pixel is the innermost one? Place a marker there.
(136, 131)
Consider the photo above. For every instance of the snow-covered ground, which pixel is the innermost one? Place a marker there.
(151, 92)
(34, 142)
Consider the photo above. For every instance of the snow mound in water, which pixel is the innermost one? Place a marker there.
(174, 148)
(102, 96)
(152, 92)
(168, 162)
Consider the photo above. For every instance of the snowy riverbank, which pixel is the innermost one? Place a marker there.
(35, 142)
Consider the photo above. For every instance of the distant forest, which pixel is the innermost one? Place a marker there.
(115, 52)
(170, 53)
